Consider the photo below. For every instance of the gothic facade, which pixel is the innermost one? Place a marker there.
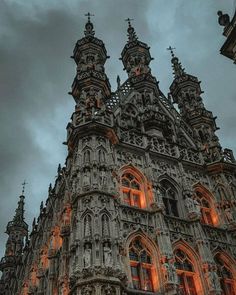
(146, 201)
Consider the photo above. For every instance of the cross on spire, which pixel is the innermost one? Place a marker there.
(171, 50)
(89, 15)
(23, 187)
(129, 21)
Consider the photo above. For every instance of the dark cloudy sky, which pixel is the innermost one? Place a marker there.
(36, 40)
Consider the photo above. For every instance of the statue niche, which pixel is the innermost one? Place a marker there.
(107, 255)
(87, 256)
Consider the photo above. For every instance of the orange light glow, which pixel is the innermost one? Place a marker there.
(56, 240)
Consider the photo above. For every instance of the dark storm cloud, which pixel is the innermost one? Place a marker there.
(36, 41)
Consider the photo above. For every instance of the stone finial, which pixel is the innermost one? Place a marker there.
(223, 19)
(89, 31)
(176, 64)
(131, 32)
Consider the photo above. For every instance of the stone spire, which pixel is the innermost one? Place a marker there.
(89, 26)
(17, 231)
(176, 64)
(186, 93)
(131, 32)
(136, 59)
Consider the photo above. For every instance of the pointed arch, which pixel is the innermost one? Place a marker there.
(142, 262)
(226, 270)
(222, 192)
(188, 269)
(206, 200)
(87, 154)
(135, 189)
(105, 222)
(170, 191)
(101, 154)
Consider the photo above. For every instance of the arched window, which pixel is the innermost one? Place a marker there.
(141, 266)
(87, 226)
(132, 191)
(206, 210)
(185, 272)
(169, 198)
(105, 226)
(206, 201)
(227, 281)
(222, 192)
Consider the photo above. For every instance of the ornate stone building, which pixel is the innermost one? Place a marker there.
(145, 203)
(229, 47)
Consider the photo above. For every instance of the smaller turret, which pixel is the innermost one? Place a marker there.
(17, 231)
(136, 59)
(186, 93)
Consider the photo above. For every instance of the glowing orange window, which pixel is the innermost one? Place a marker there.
(185, 272)
(132, 192)
(206, 210)
(141, 266)
(227, 281)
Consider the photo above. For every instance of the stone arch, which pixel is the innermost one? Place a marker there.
(87, 154)
(206, 200)
(151, 248)
(87, 218)
(227, 261)
(171, 195)
(222, 192)
(197, 275)
(101, 154)
(135, 188)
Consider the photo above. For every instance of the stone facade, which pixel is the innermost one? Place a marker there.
(229, 47)
(145, 203)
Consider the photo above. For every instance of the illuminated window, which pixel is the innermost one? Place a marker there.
(132, 191)
(141, 266)
(206, 210)
(185, 272)
(169, 198)
(227, 281)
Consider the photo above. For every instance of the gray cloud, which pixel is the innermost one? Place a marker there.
(36, 40)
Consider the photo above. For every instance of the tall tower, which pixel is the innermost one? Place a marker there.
(17, 231)
(142, 204)
(186, 92)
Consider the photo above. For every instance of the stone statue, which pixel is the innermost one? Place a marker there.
(87, 256)
(213, 280)
(103, 178)
(193, 206)
(87, 290)
(107, 255)
(86, 178)
(229, 215)
(66, 216)
(170, 272)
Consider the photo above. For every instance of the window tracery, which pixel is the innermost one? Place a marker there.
(132, 189)
(206, 201)
(141, 266)
(205, 207)
(169, 198)
(185, 272)
(225, 275)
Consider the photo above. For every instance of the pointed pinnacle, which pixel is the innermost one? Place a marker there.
(131, 32)
(89, 26)
(176, 65)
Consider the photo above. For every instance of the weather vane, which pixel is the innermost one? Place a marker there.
(23, 187)
(89, 15)
(171, 50)
(129, 20)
